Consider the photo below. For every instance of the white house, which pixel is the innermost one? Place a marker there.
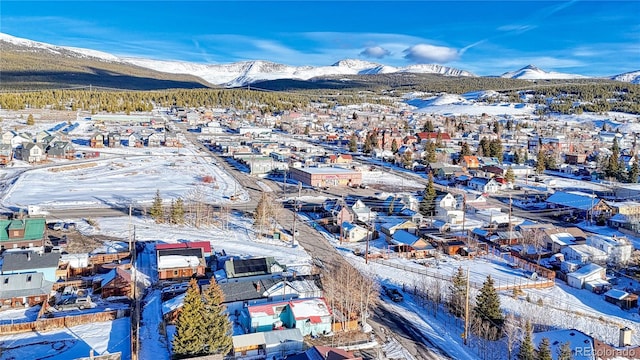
(447, 209)
(586, 273)
(352, 232)
(618, 249)
(584, 254)
(485, 185)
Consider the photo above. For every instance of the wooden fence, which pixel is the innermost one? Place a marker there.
(80, 284)
(49, 324)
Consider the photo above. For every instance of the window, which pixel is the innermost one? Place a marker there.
(28, 278)
(6, 280)
(175, 272)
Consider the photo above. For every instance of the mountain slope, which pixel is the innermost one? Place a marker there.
(28, 64)
(531, 72)
(631, 77)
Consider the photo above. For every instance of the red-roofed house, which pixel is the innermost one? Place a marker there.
(470, 162)
(433, 136)
(311, 316)
(340, 159)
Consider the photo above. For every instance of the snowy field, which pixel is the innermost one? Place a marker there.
(70, 343)
(385, 178)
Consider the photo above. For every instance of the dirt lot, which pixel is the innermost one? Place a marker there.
(76, 242)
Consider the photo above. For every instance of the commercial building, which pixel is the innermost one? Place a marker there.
(326, 176)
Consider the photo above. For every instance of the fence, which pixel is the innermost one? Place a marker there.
(522, 283)
(79, 284)
(48, 324)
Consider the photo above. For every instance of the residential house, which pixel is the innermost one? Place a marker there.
(179, 262)
(21, 139)
(134, 140)
(117, 282)
(22, 233)
(618, 249)
(581, 204)
(268, 345)
(389, 228)
(340, 159)
(238, 268)
(114, 140)
(310, 316)
(20, 290)
(42, 135)
(32, 152)
(155, 139)
(97, 140)
(586, 273)
(555, 239)
(362, 212)
(434, 137)
(470, 162)
(584, 254)
(353, 233)
(31, 262)
(171, 139)
(6, 154)
(575, 158)
(416, 246)
(61, 150)
(7, 137)
(447, 209)
(484, 185)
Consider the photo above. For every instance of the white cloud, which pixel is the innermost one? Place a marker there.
(431, 53)
(377, 52)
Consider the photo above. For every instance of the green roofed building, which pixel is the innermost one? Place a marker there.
(22, 233)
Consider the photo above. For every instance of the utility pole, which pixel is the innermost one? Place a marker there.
(510, 226)
(464, 212)
(371, 230)
(342, 207)
(295, 214)
(466, 310)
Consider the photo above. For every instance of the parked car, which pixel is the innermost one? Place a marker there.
(75, 302)
(394, 294)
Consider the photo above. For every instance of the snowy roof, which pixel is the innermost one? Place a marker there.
(574, 199)
(282, 336)
(402, 237)
(588, 250)
(75, 260)
(307, 308)
(586, 270)
(177, 261)
(173, 304)
(616, 294)
(563, 238)
(578, 341)
(326, 170)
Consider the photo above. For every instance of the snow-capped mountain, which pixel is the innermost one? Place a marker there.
(532, 72)
(631, 77)
(239, 73)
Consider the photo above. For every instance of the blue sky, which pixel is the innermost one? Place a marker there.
(488, 38)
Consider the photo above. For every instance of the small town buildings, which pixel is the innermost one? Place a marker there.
(19, 290)
(22, 233)
(326, 176)
(117, 282)
(582, 345)
(416, 246)
(339, 159)
(31, 262)
(485, 185)
(555, 239)
(97, 140)
(586, 273)
(389, 228)
(326, 353)
(584, 205)
(61, 150)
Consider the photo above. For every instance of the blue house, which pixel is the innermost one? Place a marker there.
(31, 262)
(311, 316)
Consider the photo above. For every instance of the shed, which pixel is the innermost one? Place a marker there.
(621, 298)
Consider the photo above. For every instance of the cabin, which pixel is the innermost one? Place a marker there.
(175, 263)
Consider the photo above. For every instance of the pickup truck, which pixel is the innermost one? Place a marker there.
(394, 295)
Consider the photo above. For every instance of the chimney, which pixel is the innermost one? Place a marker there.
(258, 286)
(29, 256)
(625, 337)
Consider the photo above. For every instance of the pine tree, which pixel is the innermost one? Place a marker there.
(527, 351)
(510, 176)
(544, 350)
(177, 211)
(564, 353)
(30, 120)
(428, 126)
(191, 331)
(465, 150)
(541, 162)
(306, 130)
(634, 171)
(353, 143)
(431, 151)
(219, 329)
(488, 304)
(495, 149)
(517, 157)
(157, 210)
(394, 146)
(428, 203)
(458, 293)
(367, 147)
